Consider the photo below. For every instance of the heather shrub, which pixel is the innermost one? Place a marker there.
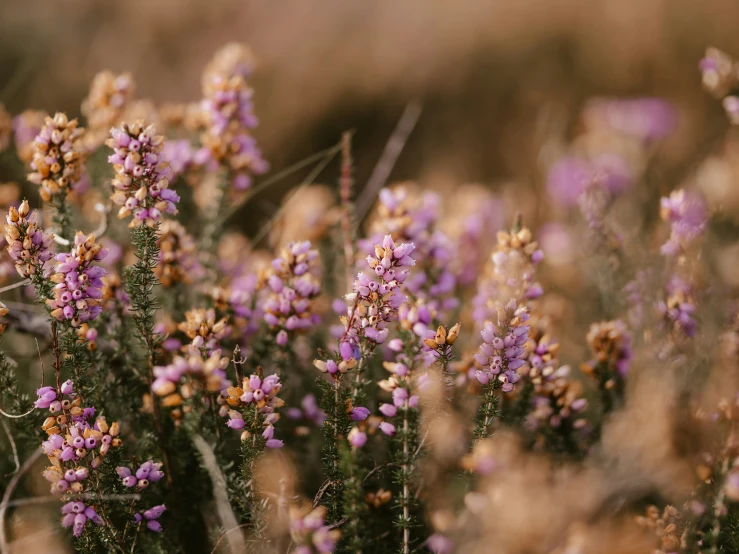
(383, 367)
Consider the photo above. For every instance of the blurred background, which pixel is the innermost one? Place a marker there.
(495, 78)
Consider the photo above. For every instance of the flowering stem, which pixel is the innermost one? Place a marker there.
(406, 488)
(487, 410)
(141, 281)
(62, 216)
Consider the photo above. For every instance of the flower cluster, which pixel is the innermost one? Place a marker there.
(26, 126)
(151, 517)
(228, 112)
(310, 532)
(28, 245)
(433, 281)
(180, 380)
(178, 262)
(503, 349)
(258, 398)
(511, 275)
(58, 156)
(78, 282)
(377, 296)
(203, 330)
(308, 411)
(148, 472)
(75, 447)
(140, 183)
(610, 342)
(106, 102)
(686, 214)
(77, 514)
(720, 76)
(667, 527)
(399, 386)
(293, 285)
(678, 309)
(557, 401)
(572, 178)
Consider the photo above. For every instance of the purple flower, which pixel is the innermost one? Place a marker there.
(571, 176)
(141, 174)
(359, 413)
(29, 247)
(78, 282)
(357, 438)
(292, 285)
(228, 111)
(685, 211)
(387, 428)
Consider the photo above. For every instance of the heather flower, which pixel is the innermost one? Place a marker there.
(228, 113)
(610, 342)
(203, 330)
(241, 301)
(310, 533)
(647, 119)
(376, 298)
(257, 398)
(179, 380)
(678, 309)
(141, 174)
(6, 128)
(357, 438)
(104, 107)
(557, 404)
(28, 245)
(718, 72)
(58, 156)
(503, 348)
(77, 514)
(178, 155)
(511, 275)
(77, 442)
(433, 281)
(308, 410)
(686, 213)
(178, 261)
(360, 413)
(148, 472)
(151, 517)
(78, 281)
(572, 176)
(26, 126)
(471, 215)
(293, 285)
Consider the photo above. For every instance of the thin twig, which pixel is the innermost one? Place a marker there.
(379, 468)
(220, 493)
(9, 493)
(16, 285)
(87, 496)
(14, 416)
(321, 492)
(12, 446)
(389, 157)
(223, 536)
(103, 211)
